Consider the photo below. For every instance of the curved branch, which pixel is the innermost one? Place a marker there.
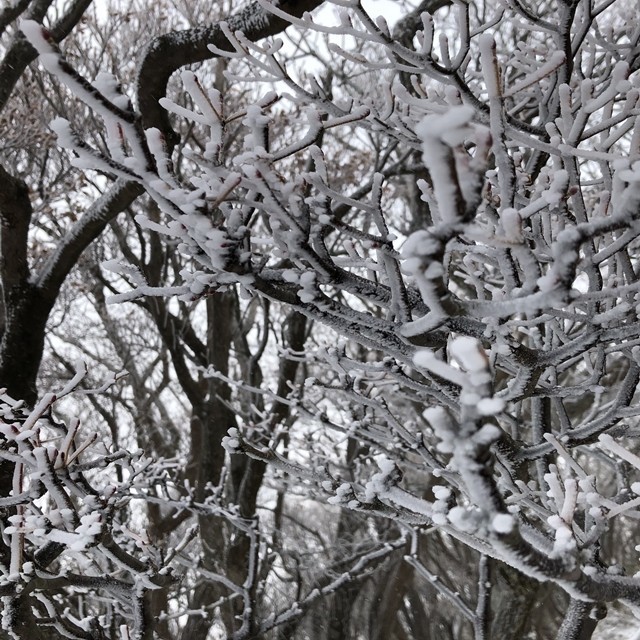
(168, 53)
(21, 54)
(11, 12)
(83, 233)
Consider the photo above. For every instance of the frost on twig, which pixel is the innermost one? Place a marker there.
(460, 216)
(63, 518)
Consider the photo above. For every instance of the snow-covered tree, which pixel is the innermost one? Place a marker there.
(176, 409)
(424, 229)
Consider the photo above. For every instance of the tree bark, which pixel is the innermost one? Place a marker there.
(513, 597)
(580, 620)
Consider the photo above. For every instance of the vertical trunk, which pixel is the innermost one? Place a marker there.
(20, 354)
(513, 597)
(24, 311)
(211, 420)
(342, 601)
(483, 605)
(580, 620)
(392, 587)
(23, 342)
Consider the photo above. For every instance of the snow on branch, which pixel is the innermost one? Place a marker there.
(462, 225)
(69, 517)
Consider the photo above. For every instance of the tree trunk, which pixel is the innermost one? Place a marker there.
(580, 620)
(513, 597)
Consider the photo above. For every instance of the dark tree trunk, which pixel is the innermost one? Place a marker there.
(23, 341)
